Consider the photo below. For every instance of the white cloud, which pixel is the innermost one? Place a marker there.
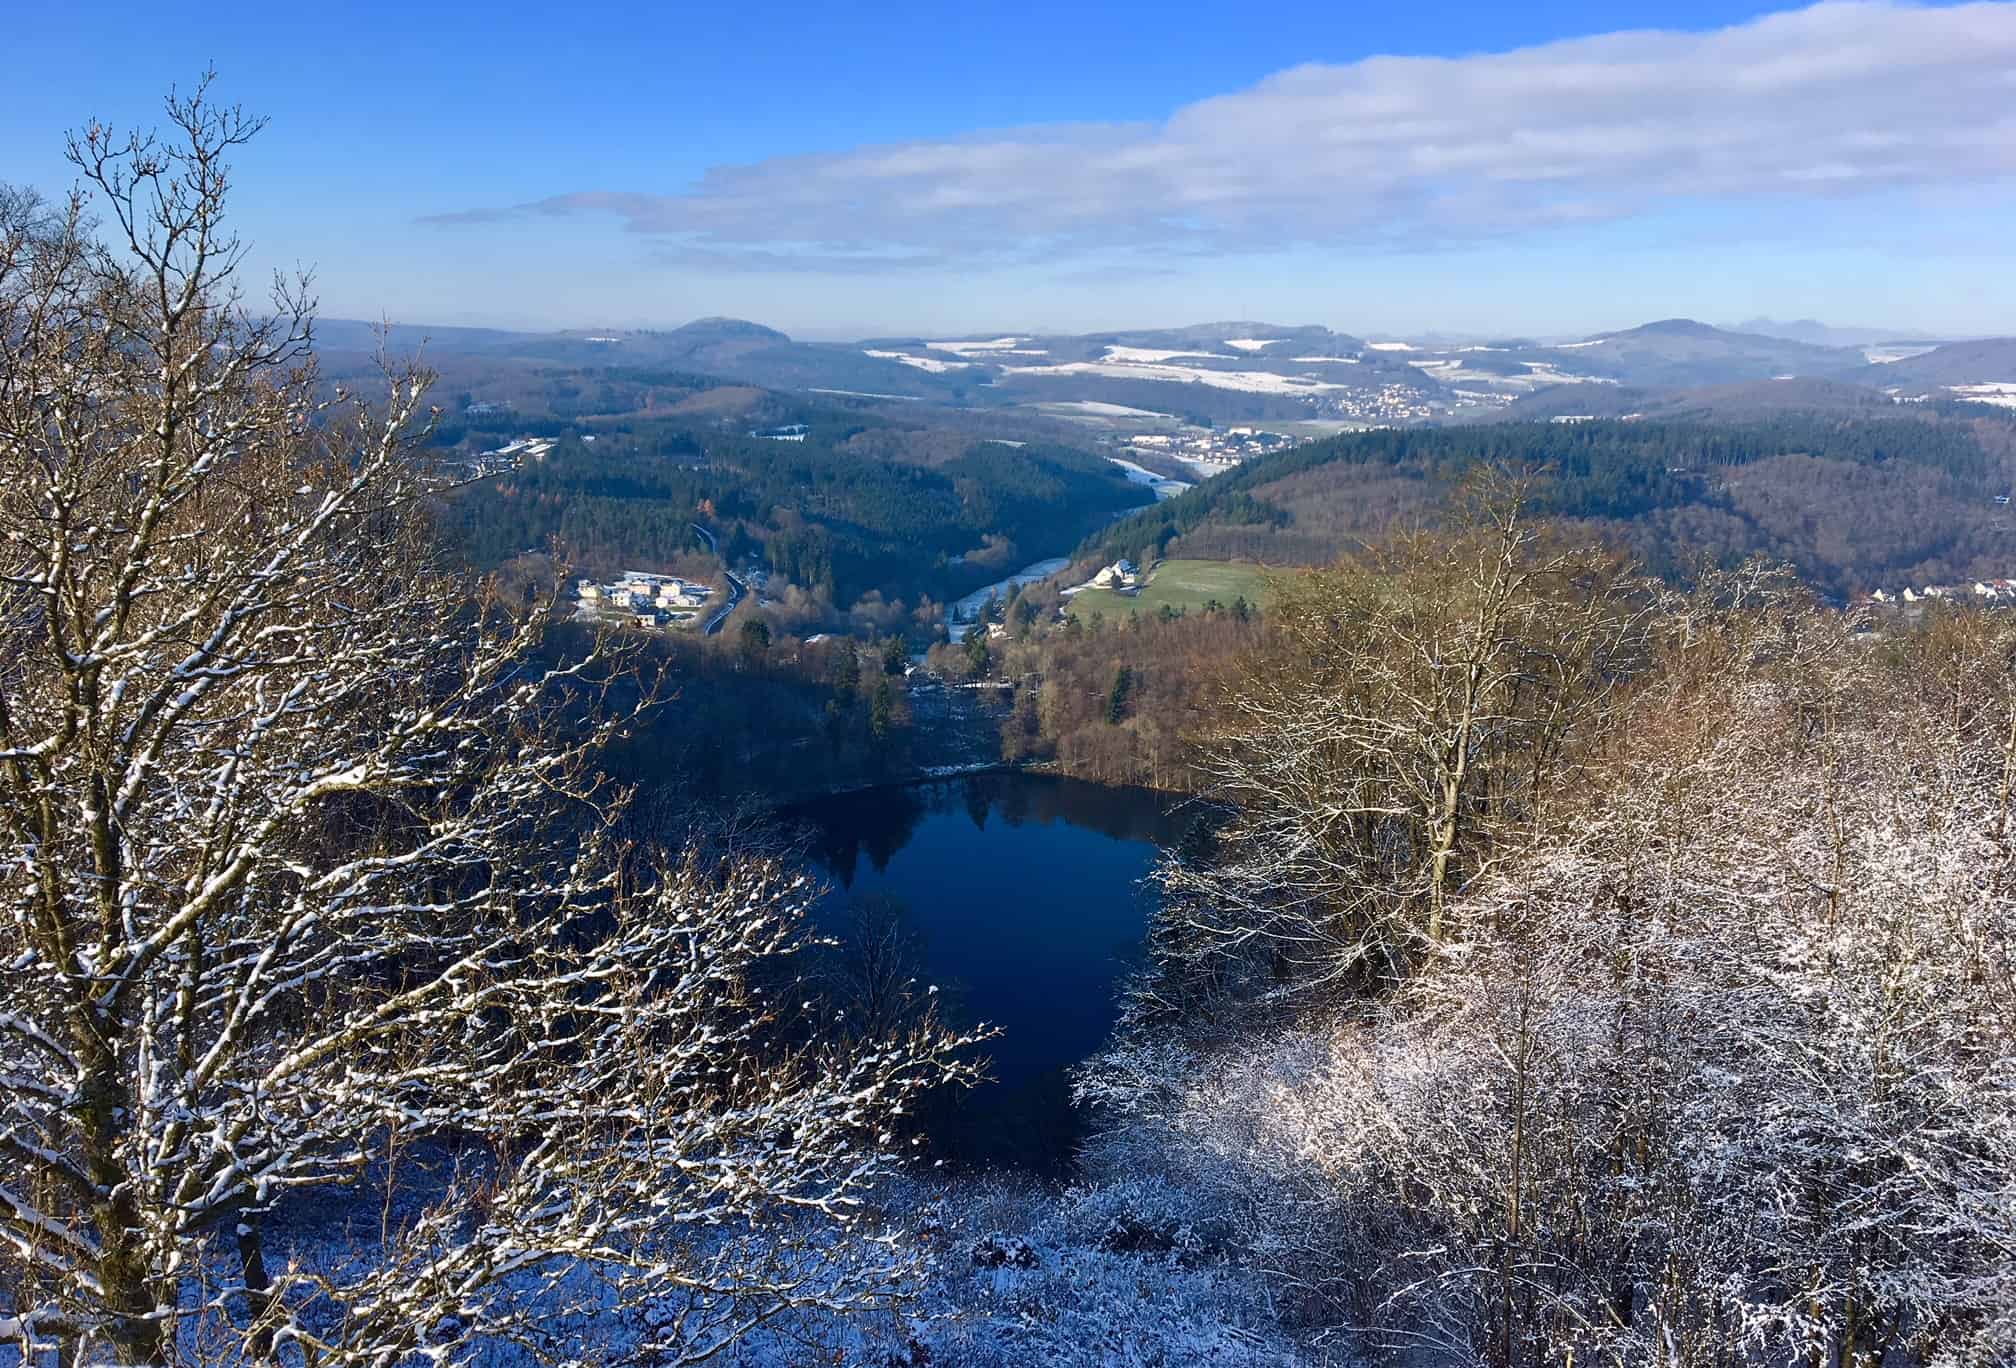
(1835, 99)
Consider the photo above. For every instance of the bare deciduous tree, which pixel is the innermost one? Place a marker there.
(307, 867)
(1418, 702)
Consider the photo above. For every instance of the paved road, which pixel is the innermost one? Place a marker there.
(736, 588)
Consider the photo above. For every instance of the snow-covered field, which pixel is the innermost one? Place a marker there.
(1331, 360)
(923, 363)
(1251, 382)
(1252, 344)
(863, 394)
(1164, 487)
(1541, 373)
(1095, 408)
(1391, 346)
(1883, 356)
(1442, 368)
(1137, 354)
(999, 344)
(1451, 370)
(2001, 393)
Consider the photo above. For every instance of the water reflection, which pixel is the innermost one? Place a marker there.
(1024, 897)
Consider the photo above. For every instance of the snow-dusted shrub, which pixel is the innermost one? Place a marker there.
(1083, 1303)
(1719, 1066)
(995, 1250)
(1055, 1297)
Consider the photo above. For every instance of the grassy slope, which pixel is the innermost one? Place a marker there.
(1186, 585)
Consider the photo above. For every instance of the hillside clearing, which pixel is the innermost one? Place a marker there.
(1185, 585)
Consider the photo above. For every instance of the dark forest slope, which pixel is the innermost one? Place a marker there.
(1853, 501)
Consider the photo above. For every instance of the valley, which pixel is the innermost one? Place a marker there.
(963, 508)
(996, 827)
(936, 466)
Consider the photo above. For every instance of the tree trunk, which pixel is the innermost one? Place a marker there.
(259, 1298)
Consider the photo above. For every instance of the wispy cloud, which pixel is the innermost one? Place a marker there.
(1832, 100)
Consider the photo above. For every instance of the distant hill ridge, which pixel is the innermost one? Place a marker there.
(1987, 360)
(1248, 370)
(719, 327)
(1820, 334)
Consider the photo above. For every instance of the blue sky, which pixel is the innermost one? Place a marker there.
(844, 170)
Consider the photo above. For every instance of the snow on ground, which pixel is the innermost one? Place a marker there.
(1883, 356)
(1451, 371)
(1114, 353)
(1571, 346)
(1251, 382)
(2000, 393)
(1164, 487)
(1096, 408)
(1391, 346)
(1340, 360)
(1252, 344)
(959, 616)
(1541, 373)
(864, 394)
(1204, 468)
(924, 363)
(962, 348)
(1130, 1273)
(1136, 1271)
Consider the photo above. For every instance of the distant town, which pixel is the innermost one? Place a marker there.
(1209, 451)
(642, 599)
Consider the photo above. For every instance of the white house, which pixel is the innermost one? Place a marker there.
(1119, 575)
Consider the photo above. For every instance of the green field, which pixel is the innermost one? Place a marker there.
(1186, 585)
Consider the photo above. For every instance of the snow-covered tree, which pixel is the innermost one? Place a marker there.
(1415, 701)
(1720, 1066)
(309, 880)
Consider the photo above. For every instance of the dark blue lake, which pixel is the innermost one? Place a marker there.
(1022, 897)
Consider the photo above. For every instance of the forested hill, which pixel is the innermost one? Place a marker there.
(1854, 502)
(851, 504)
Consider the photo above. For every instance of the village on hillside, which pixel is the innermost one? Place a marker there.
(1912, 601)
(643, 599)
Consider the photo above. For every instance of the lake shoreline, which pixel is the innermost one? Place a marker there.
(779, 802)
(956, 733)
